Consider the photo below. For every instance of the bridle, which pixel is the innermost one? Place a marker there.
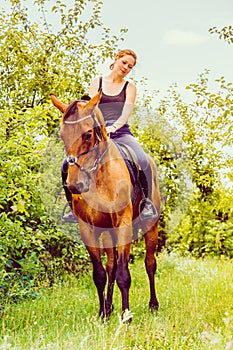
(73, 159)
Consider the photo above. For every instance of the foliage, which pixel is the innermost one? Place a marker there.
(225, 33)
(32, 250)
(207, 136)
(192, 146)
(32, 259)
(206, 229)
(38, 58)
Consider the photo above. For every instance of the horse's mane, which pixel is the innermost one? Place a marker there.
(72, 108)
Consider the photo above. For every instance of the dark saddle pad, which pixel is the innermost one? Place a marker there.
(131, 162)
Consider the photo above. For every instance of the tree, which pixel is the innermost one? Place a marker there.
(37, 59)
(191, 144)
(205, 127)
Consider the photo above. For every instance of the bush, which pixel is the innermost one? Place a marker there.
(31, 258)
(33, 250)
(207, 229)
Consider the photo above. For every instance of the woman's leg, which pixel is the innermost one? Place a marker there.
(128, 139)
(64, 174)
(69, 216)
(148, 210)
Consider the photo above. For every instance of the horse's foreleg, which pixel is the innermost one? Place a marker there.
(99, 277)
(111, 265)
(91, 240)
(150, 263)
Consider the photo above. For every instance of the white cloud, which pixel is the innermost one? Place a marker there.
(183, 38)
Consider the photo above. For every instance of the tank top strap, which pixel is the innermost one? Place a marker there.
(125, 86)
(100, 83)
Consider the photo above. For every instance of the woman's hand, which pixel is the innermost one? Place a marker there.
(111, 129)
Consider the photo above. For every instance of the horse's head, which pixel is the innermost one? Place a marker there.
(82, 131)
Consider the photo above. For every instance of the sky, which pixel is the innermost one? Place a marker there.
(171, 39)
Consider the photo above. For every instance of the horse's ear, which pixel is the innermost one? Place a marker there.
(93, 102)
(57, 103)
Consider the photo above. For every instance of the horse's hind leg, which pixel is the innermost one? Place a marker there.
(151, 241)
(123, 277)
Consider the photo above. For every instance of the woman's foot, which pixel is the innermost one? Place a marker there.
(69, 216)
(147, 210)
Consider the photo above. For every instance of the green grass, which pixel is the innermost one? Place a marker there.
(196, 312)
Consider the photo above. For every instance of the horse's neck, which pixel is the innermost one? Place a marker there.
(114, 153)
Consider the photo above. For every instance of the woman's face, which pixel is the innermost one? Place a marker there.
(124, 65)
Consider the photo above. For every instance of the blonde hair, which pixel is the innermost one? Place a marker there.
(123, 53)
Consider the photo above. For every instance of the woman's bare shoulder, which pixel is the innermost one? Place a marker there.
(131, 93)
(95, 79)
(131, 88)
(94, 86)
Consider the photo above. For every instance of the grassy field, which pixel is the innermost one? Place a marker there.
(196, 312)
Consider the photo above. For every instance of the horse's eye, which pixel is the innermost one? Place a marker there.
(87, 136)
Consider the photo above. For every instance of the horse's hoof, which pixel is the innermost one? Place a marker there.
(104, 315)
(154, 307)
(126, 316)
(109, 310)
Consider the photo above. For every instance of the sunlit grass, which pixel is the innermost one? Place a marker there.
(196, 312)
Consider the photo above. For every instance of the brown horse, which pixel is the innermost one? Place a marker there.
(101, 188)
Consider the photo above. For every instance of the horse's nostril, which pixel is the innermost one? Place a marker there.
(76, 189)
(80, 187)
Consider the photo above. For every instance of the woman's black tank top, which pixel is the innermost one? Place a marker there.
(111, 106)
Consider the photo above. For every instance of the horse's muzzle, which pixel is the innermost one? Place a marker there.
(79, 188)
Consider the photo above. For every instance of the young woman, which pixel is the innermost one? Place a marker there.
(117, 103)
